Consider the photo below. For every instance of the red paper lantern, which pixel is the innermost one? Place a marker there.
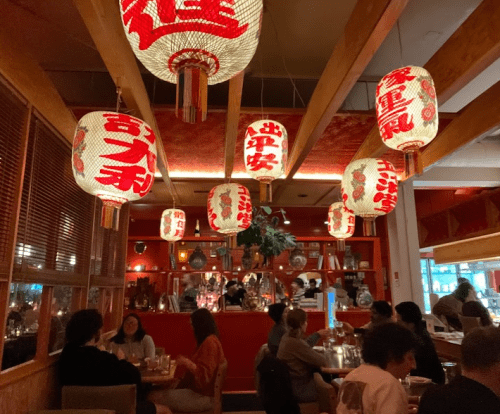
(229, 208)
(193, 43)
(173, 224)
(370, 189)
(340, 223)
(407, 112)
(114, 158)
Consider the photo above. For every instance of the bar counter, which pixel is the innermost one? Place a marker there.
(241, 334)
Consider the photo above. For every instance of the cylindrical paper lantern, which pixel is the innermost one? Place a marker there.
(173, 224)
(340, 223)
(407, 112)
(193, 43)
(370, 189)
(114, 158)
(229, 208)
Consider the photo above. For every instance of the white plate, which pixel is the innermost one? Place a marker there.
(319, 348)
(414, 380)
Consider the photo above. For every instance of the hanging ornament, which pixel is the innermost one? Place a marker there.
(407, 113)
(229, 208)
(197, 260)
(114, 158)
(369, 190)
(173, 224)
(340, 223)
(266, 152)
(193, 43)
(297, 259)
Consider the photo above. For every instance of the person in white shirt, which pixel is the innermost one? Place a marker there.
(374, 387)
(298, 292)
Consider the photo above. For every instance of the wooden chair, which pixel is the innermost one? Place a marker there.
(469, 323)
(119, 398)
(327, 395)
(219, 383)
(74, 411)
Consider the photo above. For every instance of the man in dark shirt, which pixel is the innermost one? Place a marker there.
(231, 297)
(478, 389)
(82, 363)
(311, 292)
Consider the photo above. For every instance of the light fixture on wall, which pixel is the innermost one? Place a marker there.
(140, 267)
(182, 255)
(285, 220)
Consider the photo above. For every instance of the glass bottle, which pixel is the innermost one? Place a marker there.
(349, 260)
(197, 232)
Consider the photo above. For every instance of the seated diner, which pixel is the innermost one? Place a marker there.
(131, 342)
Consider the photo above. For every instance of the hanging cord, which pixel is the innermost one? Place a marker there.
(261, 86)
(400, 43)
(367, 96)
(283, 58)
(118, 98)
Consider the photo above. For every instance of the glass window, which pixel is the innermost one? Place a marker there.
(60, 314)
(22, 324)
(93, 301)
(425, 284)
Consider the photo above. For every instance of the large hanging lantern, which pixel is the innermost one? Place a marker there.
(173, 224)
(340, 223)
(114, 158)
(193, 43)
(369, 190)
(229, 208)
(266, 152)
(407, 113)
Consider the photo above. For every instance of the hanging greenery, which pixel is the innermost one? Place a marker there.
(263, 232)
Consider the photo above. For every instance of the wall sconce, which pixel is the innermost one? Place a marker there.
(182, 255)
(285, 220)
(140, 268)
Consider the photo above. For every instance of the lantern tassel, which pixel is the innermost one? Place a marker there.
(413, 163)
(369, 226)
(341, 245)
(266, 193)
(110, 217)
(192, 92)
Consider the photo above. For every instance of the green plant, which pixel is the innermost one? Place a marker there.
(263, 232)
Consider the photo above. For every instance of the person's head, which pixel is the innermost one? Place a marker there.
(231, 287)
(461, 280)
(296, 320)
(481, 356)
(312, 283)
(464, 291)
(390, 346)
(381, 312)
(84, 326)
(276, 312)
(187, 280)
(131, 328)
(203, 324)
(409, 315)
(297, 284)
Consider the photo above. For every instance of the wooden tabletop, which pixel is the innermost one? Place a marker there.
(158, 376)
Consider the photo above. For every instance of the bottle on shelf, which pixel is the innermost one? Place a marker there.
(349, 260)
(197, 229)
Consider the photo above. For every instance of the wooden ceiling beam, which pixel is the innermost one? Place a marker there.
(472, 48)
(479, 117)
(232, 120)
(103, 21)
(25, 74)
(368, 25)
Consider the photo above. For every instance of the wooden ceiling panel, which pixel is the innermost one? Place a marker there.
(313, 192)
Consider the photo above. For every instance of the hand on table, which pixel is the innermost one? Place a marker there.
(348, 328)
(133, 359)
(120, 354)
(324, 333)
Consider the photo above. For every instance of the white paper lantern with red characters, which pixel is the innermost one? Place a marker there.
(370, 189)
(340, 223)
(173, 224)
(229, 208)
(193, 42)
(266, 150)
(114, 158)
(407, 112)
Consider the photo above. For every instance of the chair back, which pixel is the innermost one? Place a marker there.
(219, 383)
(74, 411)
(469, 323)
(327, 395)
(120, 398)
(263, 351)
(433, 299)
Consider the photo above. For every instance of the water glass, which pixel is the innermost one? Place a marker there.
(165, 363)
(349, 354)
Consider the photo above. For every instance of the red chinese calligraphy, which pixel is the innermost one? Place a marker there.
(179, 233)
(397, 77)
(259, 161)
(388, 201)
(351, 219)
(391, 113)
(261, 141)
(205, 16)
(137, 150)
(271, 128)
(126, 177)
(179, 214)
(122, 123)
(384, 165)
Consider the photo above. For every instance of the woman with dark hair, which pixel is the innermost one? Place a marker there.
(83, 363)
(131, 342)
(194, 392)
(302, 361)
(408, 314)
(298, 291)
(472, 307)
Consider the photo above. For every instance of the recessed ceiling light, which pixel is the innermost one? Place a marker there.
(302, 195)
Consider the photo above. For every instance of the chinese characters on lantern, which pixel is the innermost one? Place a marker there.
(387, 187)
(340, 221)
(173, 224)
(266, 150)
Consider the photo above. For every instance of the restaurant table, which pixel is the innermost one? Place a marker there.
(335, 362)
(448, 345)
(158, 376)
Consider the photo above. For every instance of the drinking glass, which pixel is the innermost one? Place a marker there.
(339, 330)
